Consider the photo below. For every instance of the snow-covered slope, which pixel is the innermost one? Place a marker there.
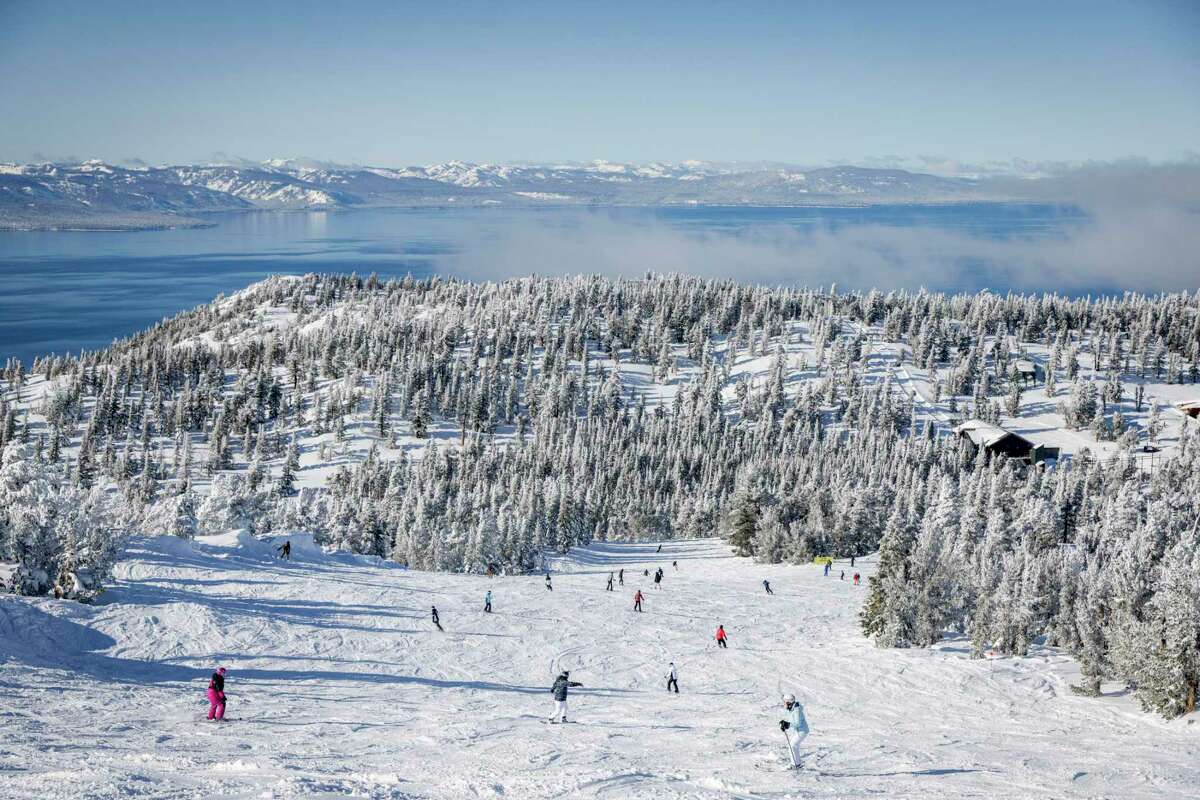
(340, 685)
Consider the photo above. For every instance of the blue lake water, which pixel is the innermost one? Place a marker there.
(69, 290)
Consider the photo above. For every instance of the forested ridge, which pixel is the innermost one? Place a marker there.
(451, 425)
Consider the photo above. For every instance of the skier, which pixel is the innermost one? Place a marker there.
(675, 564)
(856, 579)
(645, 573)
(487, 602)
(828, 564)
(797, 724)
(609, 586)
(673, 678)
(637, 601)
(561, 684)
(659, 550)
(658, 579)
(216, 695)
(852, 561)
(436, 621)
(621, 577)
(285, 550)
(842, 577)
(767, 586)
(721, 637)
(549, 588)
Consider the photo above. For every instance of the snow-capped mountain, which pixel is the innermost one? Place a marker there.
(96, 194)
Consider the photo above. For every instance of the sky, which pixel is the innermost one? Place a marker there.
(945, 86)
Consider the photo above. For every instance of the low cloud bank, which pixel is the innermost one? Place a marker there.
(1141, 233)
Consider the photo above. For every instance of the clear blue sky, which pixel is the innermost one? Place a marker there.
(408, 83)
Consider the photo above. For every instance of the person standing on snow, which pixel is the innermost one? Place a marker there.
(609, 586)
(285, 550)
(637, 601)
(673, 678)
(559, 689)
(794, 727)
(549, 588)
(675, 564)
(721, 637)
(216, 695)
(621, 577)
(828, 564)
(856, 579)
(436, 621)
(658, 579)
(487, 602)
(659, 550)
(767, 586)
(842, 577)
(852, 561)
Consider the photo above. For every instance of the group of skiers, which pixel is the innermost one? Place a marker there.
(794, 725)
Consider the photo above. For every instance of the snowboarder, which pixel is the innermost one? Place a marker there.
(561, 684)
(609, 586)
(621, 577)
(487, 602)
(436, 621)
(285, 550)
(856, 579)
(828, 564)
(721, 637)
(637, 601)
(794, 727)
(549, 588)
(767, 586)
(216, 695)
(673, 678)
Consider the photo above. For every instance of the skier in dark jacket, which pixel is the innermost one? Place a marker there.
(561, 684)
(658, 579)
(549, 586)
(767, 586)
(216, 695)
(285, 550)
(621, 577)
(609, 586)
(436, 621)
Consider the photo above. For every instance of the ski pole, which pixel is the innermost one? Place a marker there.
(791, 755)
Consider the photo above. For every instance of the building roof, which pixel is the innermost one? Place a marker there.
(985, 434)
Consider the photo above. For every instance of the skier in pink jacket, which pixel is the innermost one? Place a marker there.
(216, 695)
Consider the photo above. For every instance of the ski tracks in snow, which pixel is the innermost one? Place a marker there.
(339, 685)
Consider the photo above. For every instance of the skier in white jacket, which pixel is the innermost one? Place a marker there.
(794, 726)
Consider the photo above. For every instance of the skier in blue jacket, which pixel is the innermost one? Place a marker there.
(794, 726)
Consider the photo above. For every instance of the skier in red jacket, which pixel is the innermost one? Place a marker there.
(721, 636)
(637, 601)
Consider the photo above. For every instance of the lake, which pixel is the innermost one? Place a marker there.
(71, 290)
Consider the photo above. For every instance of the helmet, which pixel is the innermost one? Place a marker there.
(220, 670)
(789, 698)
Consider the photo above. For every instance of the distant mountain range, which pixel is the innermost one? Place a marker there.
(93, 194)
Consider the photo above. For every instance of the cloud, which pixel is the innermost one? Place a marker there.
(1140, 231)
